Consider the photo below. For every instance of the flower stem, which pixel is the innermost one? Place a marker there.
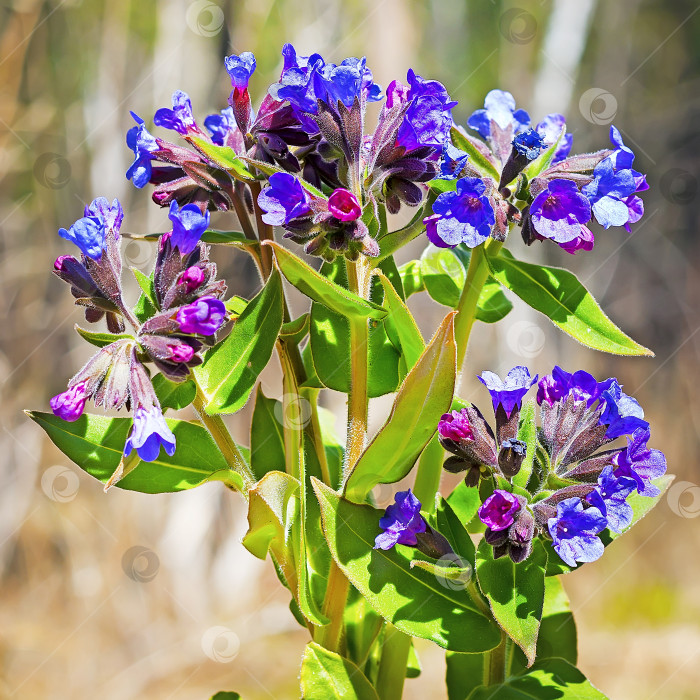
(331, 636)
(392, 665)
(264, 232)
(495, 663)
(222, 437)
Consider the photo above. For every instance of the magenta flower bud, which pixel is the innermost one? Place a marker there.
(344, 206)
(182, 353)
(498, 510)
(70, 404)
(59, 264)
(192, 279)
(455, 426)
(203, 317)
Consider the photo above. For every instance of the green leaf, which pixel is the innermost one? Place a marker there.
(100, 339)
(333, 445)
(95, 443)
(641, 505)
(321, 289)
(391, 242)
(411, 278)
(544, 160)
(464, 501)
(493, 304)
(515, 593)
(225, 695)
(478, 160)
(559, 295)
(294, 331)
(326, 675)
(270, 169)
(329, 340)
(266, 435)
(413, 665)
(443, 275)
(546, 680)
(527, 432)
(557, 631)
(222, 156)
(237, 238)
(146, 304)
(413, 600)
(230, 369)
(362, 627)
(464, 673)
(448, 522)
(424, 396)
(175, 395)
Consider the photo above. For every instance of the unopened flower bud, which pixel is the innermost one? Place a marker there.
(511, 456)
(191, 278)
(70, 404)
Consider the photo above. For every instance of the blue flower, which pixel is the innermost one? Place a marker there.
(560, 211)
(142, 144)
(610, 498)
(221, 125)
(401, 522)
(549, 129)
(285, 199)
(452, 162)
(463, 216)
(529, 144)
(575, 531)
(240, 68)
(499, 106)
(148, 434)
(90, 232)
(180, 117)
(622, 414)
(640, 464)
(202, 317)
(509, 392)
(189, 223)
(612, 192)
(583, 386)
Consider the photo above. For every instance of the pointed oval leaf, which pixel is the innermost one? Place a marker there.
(478, 160)
(559, 295)
(100, 339)
(266, 435)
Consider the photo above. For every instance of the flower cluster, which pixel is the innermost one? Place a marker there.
(326, 176)
(187, 312)
(549, 193)
(578, 480)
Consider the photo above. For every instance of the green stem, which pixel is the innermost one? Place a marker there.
(222, 437)
(477, 275)
(265, 232)
(331, 636)
(428, 475)
(495, 663)
(392, 665)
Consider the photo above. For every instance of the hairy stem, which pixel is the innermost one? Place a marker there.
(495, 663)
(392, 665)
(331, 636)
(264, 231)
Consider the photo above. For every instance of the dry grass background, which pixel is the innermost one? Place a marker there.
(124, 595)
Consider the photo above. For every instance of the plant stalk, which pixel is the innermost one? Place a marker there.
(495, 663)
(331, 636)
(393, 662)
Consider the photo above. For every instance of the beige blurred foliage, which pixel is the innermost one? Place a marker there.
(123, 595)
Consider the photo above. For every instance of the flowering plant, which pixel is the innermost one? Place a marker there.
(475, 570)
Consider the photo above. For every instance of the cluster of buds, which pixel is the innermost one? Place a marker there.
(188, 312)
(310, 130)
(580, 479)
(556, 202)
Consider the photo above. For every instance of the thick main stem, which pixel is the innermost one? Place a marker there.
(495, 663)
(264, 231)
(392, 666)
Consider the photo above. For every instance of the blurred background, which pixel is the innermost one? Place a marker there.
(123, 595)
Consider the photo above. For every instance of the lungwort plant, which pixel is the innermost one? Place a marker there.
(549, 481)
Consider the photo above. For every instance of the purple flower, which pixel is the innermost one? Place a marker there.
(498, 511)
(509, 392)
(455, 426)
(575, 531)
(285, 199)
(560, 384)
(464, 216)
(344, 206)
(401, 522)
(610, 498)
(202, 317)
(220, 125)
(549, 129)
(240, 68)
(560, 211)
(189, 223)
(192, 278)
(180, 117)
(71, 403)
(452, 162)
(528, 143)
(143, 144)
(499, 106)
(622, 414)
(89, 233)
(639, 463)
(584, 241)
(148, 434)
(612, 190)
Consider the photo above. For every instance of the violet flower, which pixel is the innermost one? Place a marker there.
(90, 232)
(574, 531)
(560, 211)
(622, 414)
(610, 498)
(202, 317)
(549, 129)
(71, 403)
(344, 206)
(639, 463)
(452, 162)
(240, 69)
(401, 522)
(499, 106)
(149, 433)
(528, 143)
(180, 117)
(285, 199)
(455, 426)
(508, 392)
(221, 125)
(189, 223)
(498, 511)
(143, 144)
(192, 278)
